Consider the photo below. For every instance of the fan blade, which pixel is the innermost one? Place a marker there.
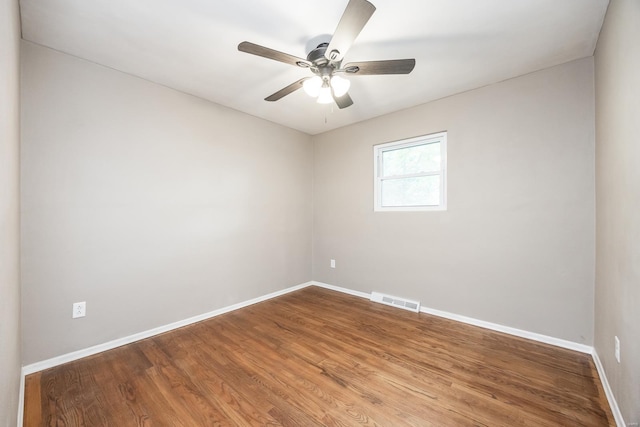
(286, 90)
(344, 101)
(265, 52)
(353, 20)
(394, 66)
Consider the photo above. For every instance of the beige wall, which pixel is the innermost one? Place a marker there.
(617, 308)
(10, 359)
(150, 205)
(516, 245)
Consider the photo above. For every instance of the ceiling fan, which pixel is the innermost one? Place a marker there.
(325, 61)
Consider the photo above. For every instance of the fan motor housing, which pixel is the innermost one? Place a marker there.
(321, 65)
(316, 56)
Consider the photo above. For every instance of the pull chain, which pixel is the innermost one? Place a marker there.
(325, 114)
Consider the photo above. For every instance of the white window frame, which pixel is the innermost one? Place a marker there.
(441, 138)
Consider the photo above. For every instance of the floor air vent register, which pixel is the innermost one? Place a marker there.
(403, 303)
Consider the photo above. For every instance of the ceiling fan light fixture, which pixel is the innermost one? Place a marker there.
(326, 59)
(325, 95)
(340, 85)
(312, 86)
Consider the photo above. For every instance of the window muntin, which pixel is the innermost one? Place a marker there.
(410, 174)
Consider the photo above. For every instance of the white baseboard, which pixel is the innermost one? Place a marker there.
(75, 355)
(481, 323)
(519, 333)
(343, 290)
(511, 331)
(58, 360)
(20, 417)
(615, 409)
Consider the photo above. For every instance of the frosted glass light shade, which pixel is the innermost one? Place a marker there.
(312, 86)
(340, 86)
(325, 95)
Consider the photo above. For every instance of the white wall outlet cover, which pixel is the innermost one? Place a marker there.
(79, 309)
(333, 263)
(617, 349)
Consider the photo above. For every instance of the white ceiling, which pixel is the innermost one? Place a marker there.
(191, 46)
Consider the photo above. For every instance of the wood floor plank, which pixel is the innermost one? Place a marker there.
(265, 356)
(316, 357)
(33, 400)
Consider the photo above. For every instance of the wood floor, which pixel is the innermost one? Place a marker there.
(321, 358)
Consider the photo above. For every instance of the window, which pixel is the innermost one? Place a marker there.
(410, 175)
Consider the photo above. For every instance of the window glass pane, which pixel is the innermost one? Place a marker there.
(418, 191)
(411, 160)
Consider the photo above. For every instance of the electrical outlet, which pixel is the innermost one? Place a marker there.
(333, 263)
(79, 309)
(617, 341)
